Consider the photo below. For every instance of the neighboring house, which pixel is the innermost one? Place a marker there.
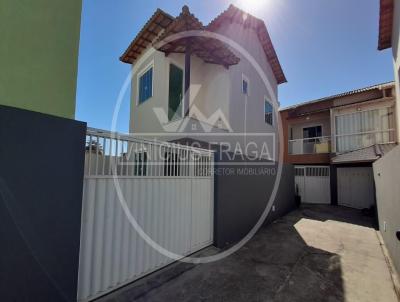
(226, 93)
(387, 169)
(333, 142)
(39, 55)
(389, 37)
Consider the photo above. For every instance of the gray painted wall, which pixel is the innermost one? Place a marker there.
(396, 58)
(387, 175)
(41, 180)
(241, 199)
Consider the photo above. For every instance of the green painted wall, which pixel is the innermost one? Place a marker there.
(39, 54)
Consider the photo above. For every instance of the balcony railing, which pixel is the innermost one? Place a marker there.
(315, 145)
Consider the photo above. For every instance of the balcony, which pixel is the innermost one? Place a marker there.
(314, 145)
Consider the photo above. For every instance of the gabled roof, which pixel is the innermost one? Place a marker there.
(351, 92)
(160, 20)
(150, 31)
(236, 15)
(385, 24)
(364, 155)
(210, 50)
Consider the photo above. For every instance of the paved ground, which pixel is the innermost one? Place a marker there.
(318, 253)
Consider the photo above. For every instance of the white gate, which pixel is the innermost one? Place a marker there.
(313, 184)
(356, 187)
(168, 189)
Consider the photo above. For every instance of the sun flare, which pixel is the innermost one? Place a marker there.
(254, 6)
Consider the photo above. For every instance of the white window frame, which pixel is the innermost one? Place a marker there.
(139, 75)
(245, 78)
(266, 100)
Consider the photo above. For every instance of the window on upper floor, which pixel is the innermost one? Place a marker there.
(146, 85)
(364, 128)
(311, 132)
(268, 113)
(245, 85)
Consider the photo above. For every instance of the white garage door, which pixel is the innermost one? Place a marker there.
(355, 187)
(313, 184)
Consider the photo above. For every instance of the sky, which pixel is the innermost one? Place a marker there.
(325, 47)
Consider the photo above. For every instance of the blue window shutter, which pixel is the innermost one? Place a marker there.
(146, 86)
(141, 90)
(150, 86)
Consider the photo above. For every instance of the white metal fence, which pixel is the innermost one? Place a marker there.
(168, 189)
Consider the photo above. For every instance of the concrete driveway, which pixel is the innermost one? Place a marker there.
(317, 253)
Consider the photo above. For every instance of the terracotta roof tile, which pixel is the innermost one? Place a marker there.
(385, 24)
(150, 31)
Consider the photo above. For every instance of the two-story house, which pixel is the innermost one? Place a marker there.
(183, 83)
(333, 142)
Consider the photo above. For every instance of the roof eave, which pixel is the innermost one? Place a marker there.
(125, 58)
(271, 54)
(336, 96)
(385, 24)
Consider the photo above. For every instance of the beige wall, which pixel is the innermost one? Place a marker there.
(257, 88)
(396, 56)
(220, 87)
(387, 175)
(248, 115)
(206, 93)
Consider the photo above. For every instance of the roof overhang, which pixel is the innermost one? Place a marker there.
(150, 31)
(236, 15)
(211, 52)
(175, 40)
(328, 100)
(385, 24)
(364, 155)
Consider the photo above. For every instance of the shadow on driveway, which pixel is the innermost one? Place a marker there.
(311, 254)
